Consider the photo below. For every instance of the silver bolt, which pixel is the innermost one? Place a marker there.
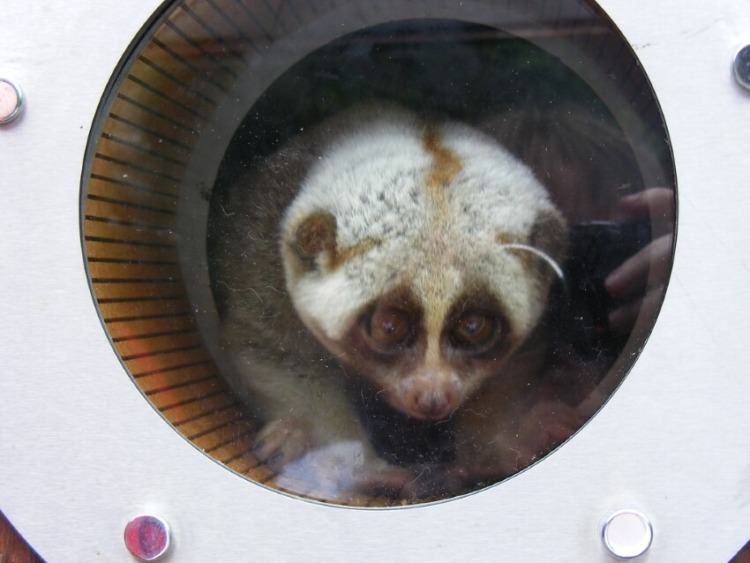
(627, 534)
(147, 537)
(11, 101)
(742, 67)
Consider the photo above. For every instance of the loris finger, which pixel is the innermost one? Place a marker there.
(281, 441)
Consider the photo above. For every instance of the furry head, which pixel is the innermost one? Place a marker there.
(423, 248)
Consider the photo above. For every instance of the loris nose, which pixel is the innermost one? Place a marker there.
(435, 404)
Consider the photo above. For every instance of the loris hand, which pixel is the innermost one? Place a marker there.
(649, 268)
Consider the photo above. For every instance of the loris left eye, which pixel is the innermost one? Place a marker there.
(389, 328)
(475, 330)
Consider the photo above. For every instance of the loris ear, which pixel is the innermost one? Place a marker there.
(549, 234)
(315, 234)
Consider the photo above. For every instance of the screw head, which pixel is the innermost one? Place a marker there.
(147, 537)
(11, 101)
(627, 534)
(742, 67)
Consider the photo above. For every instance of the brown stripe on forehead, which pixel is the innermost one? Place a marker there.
(341, 256)
(445, 163)
(317, 233)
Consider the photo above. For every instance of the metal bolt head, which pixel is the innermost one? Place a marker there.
(742, 67)
(627, 534)
(147, 537)
(11, 101)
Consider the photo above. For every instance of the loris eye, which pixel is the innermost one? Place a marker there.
(475, 330)
(389, 328)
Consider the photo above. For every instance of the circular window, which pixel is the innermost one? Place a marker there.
(378, 253)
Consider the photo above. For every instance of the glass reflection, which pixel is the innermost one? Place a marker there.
(409, 309)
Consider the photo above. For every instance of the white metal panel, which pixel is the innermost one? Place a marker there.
(82, 452)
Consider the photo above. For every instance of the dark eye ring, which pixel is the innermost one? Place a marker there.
(475, 330)
(389, 328)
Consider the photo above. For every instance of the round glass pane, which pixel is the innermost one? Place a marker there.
(378, 253)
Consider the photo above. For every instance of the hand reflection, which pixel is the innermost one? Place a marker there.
(649, 268)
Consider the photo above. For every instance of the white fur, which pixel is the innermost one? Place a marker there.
(374, 181)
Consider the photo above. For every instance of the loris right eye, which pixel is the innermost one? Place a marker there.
(388, 328)
(476, 331)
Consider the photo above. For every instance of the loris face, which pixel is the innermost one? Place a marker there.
(428, 371)
(421, 257)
